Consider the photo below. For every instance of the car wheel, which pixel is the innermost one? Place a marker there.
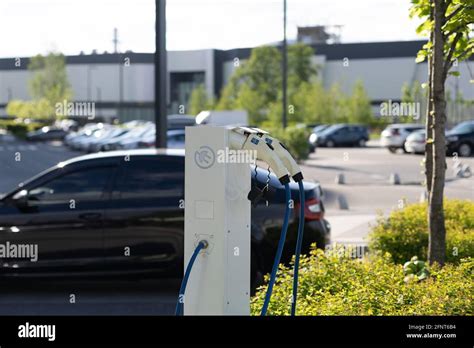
(404, 149)
(362, 143)
(465, 150)
(330, 143)
(392, 149)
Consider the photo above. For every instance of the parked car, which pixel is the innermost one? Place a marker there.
(74, 139)
(460, 139)
(133, 204)
(416, 142)
(314, 135)
(132, 142)
(180, 121)
(175, 140)
(46, 134)
(6, 136)
(86, 144)
(67, 125)
(130, 139)
(343, 135)
(393, 137)
(100, 144)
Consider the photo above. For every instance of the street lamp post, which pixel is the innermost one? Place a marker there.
(284, 69)
(161, 72)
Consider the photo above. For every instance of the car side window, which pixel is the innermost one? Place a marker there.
(85, 184)
(412, 129)
(177, 138)
(144, 178)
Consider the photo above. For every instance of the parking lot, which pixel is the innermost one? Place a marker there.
(350, 208)
(21, 160)
(84, 297)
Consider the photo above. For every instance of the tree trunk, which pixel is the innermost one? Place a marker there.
(429, 128)
(437, 238)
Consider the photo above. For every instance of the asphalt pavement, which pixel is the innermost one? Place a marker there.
(20, 160)
(89, 297)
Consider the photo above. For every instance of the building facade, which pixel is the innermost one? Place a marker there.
(122, 85)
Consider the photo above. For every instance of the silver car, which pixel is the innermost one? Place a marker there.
(416, 142)
(394, 136)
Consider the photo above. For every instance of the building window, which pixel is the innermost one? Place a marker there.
(181, 87)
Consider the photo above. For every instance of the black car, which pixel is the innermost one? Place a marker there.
(343, 135)
(46, 133)
(103, 214)
(460, 139)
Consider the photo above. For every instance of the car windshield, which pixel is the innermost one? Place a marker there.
(118, 132)
(419, 134)
(463, 128)
(103, 132)
(319, 129)
(91, 132)
(138, 131)
(331, 129)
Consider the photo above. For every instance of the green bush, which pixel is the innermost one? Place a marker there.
(19, 129)
(338, 285)
(404, 233)
(295, 138)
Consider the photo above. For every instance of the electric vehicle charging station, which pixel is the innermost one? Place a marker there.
(218, 211)
(217, 218)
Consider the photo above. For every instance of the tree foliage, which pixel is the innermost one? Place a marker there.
(256, 87)
(49, 85)
(414, 93)
(255, 84)
(456, 29)
(359, 109)
(199, 100)
(301, 69)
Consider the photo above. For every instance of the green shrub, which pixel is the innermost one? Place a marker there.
(415, 270)
(295, 138)
(404, 233)
(20, 129)
(337, 285)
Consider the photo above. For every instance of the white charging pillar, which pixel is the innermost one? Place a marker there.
(217, 210)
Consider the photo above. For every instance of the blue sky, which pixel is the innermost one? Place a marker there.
(29, 27)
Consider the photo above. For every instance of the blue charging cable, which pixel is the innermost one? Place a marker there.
(299, 242)
(281, 244)
(179, 305)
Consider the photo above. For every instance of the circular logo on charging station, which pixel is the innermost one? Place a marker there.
(204, 157)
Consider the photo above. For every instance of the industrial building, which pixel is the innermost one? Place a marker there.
(122, 84)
